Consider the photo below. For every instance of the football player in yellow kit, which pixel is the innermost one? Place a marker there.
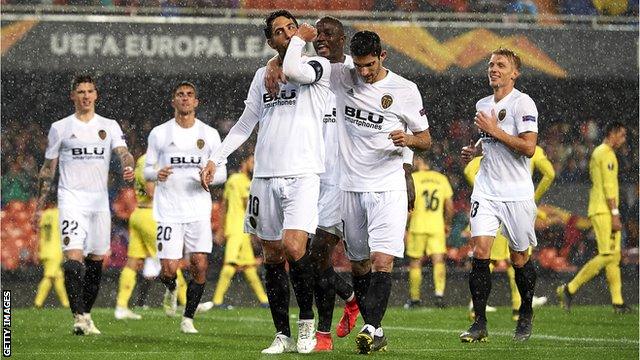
(50, 254)
(238, 252)
(603, 212)
(428, 225)
(142, 245)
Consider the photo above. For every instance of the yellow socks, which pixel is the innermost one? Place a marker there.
(226, 274)
(439, 278)
(251, 275)
(127, 283)
(43, 290)
(415, 280)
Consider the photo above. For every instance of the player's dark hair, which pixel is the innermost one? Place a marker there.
(509, 54)
(80, 79)
(268, 31)
(184, 83)
(331, 20)
(612, 126)
(365, 43)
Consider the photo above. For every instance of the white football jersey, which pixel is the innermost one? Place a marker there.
(505, 175)
(181, 199)
(84, 149)
(367, 114)
(289, 139)
(330, 135)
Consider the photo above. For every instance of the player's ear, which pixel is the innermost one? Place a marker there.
(383, 55)
(270, 43)
(516, 74)
(197, 102)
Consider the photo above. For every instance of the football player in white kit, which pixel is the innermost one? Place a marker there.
(177, 150)
(82, 143)
(289, 155)
(327, 283)
(376, 110)
(503, 193)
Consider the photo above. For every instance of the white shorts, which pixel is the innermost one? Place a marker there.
(329, 204)
(176, 239)
(279, 203)
(374, 221)
(151, 267)
(516, 217)
(89, 231)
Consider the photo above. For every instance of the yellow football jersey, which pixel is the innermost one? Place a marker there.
(432, 189)
(50, 246)
(139, 184)
(539, 162)
(603, 171)
(236, 193)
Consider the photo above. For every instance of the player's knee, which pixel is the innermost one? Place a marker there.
(381, 262)
(359, 268)
(273, 252)
(519, 258)
(295, 249)
(73, 267)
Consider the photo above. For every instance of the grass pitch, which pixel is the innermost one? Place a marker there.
(588, 332)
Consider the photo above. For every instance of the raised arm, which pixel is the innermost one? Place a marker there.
(292, 65)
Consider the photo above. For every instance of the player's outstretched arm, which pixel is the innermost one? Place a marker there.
(127, 162)
(45, 178)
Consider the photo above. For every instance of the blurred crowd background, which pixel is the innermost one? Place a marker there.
(570, 128)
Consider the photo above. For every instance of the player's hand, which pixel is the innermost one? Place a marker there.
(206, 175)
(399, 138)
(616, 223)
(469, 152)
(164, 173)
(128, 174)
(307, 32)
(274, 76)
(487, 123)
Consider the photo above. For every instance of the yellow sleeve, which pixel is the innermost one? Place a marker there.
(609, 171)
(229, 188)
(471, 170)
(544, 166)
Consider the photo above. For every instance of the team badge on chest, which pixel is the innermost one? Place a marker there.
(386, 101)
(102, 134)
(200, 144)
(502, 114)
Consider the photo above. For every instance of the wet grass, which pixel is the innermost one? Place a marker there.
(588, 332)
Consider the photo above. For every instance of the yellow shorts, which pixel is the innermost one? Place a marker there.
(238, 250)
(52, 267)
(608, 242)
(142, 234)
(500, 247)
(429, 244)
